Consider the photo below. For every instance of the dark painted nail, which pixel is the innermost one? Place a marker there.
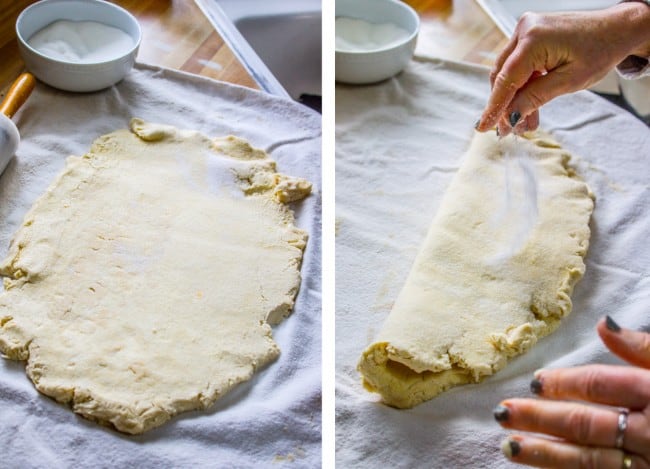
(536, 386)
(476, 124)
(611, 325)
(497, 131)
(515, 447)
(514, 118)
(501, 413)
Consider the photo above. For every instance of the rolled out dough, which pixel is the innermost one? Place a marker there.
(494, 274)
(143, 282)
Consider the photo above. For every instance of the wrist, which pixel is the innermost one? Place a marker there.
(635, 20)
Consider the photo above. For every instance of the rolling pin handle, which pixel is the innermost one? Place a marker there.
(17, 94)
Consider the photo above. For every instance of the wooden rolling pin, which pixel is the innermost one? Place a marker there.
(9, 136)
(17, 94)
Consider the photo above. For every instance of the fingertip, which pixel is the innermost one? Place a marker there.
(521, 128)
(501, 413)
(503, 129)
(510, 447)
(600, 326)
(608, 328)
(612, 325)
(478, 125)
(536, 386)
(486, 122)
(630, 345)
(514, 118)
(532, 121)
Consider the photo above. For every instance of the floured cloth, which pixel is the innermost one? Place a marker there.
(398, 145)
(272, 419)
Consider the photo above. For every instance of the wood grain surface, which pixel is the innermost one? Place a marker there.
(457, 30)
(175, 33)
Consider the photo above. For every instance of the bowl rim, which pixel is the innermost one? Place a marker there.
(23, 42)
(394, 45)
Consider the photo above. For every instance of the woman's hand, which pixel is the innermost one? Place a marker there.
(554, 54)
(584, 435)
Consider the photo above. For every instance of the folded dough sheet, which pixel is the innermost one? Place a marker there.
(398, 147)
(272, 419)
(493, 275)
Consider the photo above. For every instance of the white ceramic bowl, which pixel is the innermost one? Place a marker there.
(376, 65)
(71, 76)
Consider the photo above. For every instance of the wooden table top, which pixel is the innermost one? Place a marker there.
(457, 30)
(175, 34)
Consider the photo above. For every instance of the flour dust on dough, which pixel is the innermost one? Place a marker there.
(143, 282)
(494, 274)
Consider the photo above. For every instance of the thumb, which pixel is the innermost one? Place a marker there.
(631, 346)
(539, 90)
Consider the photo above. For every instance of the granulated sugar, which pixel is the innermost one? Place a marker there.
(81, 41)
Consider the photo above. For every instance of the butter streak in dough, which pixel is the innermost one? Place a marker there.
(143, 282)
(494, 274)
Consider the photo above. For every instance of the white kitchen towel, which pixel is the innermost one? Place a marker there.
(398, 144)
(272, 420)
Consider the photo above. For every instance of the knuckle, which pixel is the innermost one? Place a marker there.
(531, 24)
(586, 460)
(579, 424)
(536, 30)
(590, 459)
(503, 80)
(535, 99)
(527, 18)
(593, 386)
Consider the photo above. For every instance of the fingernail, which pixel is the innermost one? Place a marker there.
(611, 324)
(536, 386)
(510, 448)
(501, 413)
(497, 131)
(477, 123)
(514, 118)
